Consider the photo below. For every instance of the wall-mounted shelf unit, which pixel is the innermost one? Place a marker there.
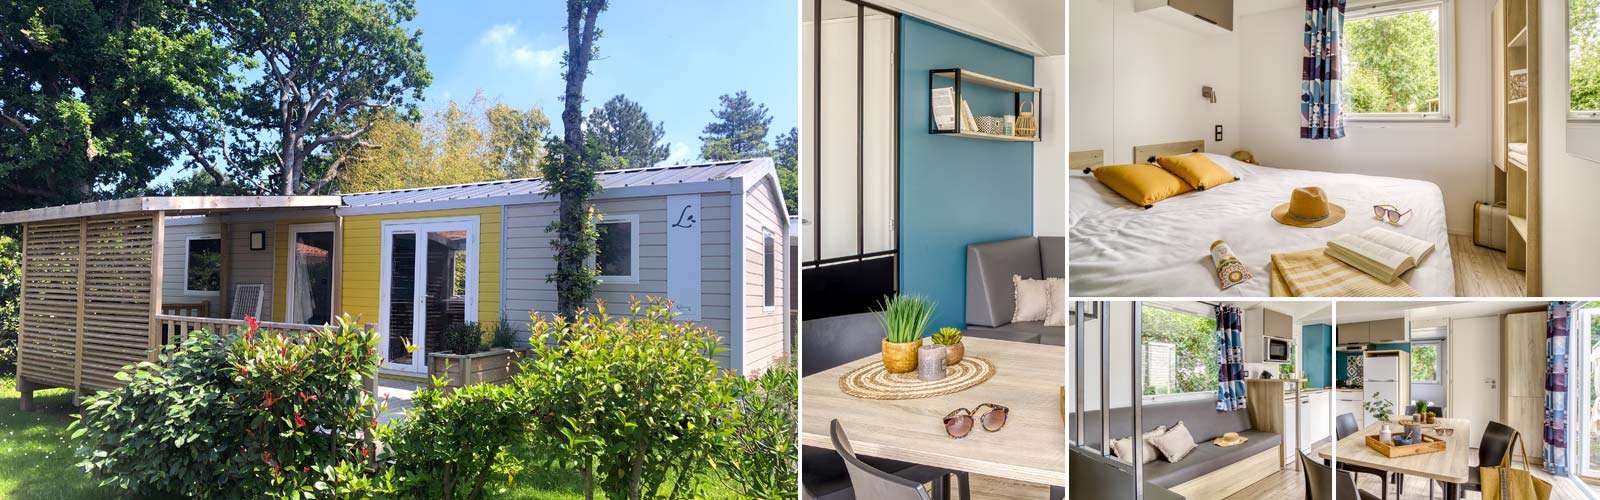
(1516, 175)
(1021, 96)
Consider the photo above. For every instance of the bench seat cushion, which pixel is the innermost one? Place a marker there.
(1207, 458)
(1033, 332)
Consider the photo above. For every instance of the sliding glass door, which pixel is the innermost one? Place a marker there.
(849, 160)
(428, 284)
(1587, 363)
(310, 286)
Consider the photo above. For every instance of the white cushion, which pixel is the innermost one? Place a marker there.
(1123, 448)
(1057, 315)
(1032, 297)
(1175, 444)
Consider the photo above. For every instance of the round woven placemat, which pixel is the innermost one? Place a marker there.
(874, 382)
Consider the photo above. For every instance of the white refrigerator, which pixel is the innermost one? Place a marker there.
(1388, 375)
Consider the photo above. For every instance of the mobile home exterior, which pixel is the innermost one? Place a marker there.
(709, 236)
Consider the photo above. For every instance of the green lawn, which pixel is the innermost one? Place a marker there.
(36, 459)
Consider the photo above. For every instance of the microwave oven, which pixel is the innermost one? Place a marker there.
(1276, 350)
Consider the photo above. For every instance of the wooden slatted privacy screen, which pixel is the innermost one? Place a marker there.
(89, 288)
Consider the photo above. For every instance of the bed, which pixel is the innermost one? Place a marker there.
(1118, 249)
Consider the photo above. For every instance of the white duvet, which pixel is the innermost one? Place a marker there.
(1117, 249)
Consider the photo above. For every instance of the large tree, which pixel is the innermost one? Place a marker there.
(622, 134)
(569, 171)
(739, 132)
(1585, 54)
(454, 144)
(327, 73)
(1394, 63)
(786, 154)
(88, 90)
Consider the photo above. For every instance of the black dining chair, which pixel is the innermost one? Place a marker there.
(1495, 449)
(868, 482)
(1321, 479)
(1346, 425)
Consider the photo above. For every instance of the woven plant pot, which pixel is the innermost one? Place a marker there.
(900, 357)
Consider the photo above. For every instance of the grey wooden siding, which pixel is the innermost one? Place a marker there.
(245, 266)
(529, 259)
(763, 327)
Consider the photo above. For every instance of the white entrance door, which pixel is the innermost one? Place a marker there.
(428, 282)
(1475, 372)
(310, 286)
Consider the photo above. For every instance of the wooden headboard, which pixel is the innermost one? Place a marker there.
(1079, 160)
(1149, 152)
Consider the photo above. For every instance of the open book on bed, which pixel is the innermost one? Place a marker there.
(1382, 253)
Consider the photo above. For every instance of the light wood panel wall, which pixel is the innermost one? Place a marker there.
(1522, 405)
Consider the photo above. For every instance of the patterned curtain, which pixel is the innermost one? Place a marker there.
(1230, 359)
(1321, 91)
(1561, 316)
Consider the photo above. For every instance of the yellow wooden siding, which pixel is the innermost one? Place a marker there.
(280, 264)
(363, 248)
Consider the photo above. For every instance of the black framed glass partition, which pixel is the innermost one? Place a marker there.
(849, 179)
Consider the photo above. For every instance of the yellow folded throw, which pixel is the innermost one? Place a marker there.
(1312, 273)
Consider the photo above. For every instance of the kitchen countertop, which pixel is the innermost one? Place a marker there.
(1290, 394)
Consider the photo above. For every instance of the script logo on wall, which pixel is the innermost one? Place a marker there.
(683, 254)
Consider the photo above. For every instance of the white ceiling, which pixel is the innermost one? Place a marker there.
(1369, 311)
(1037, 27)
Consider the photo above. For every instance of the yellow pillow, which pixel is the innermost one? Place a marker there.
(1197, 170)
(1142, 184)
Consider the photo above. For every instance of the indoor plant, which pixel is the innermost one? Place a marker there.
(1380, 409)
(950, 338)
(1423, 415)
(904, 318)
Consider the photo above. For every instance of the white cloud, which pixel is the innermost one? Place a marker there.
(678, 152)
(512, 50)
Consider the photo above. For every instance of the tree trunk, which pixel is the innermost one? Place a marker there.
(581, 16)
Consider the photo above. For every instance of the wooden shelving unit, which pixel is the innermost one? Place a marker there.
(959, 77)
(1516, 183)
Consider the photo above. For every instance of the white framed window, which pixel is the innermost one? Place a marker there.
(769, 273)
(202, 265)
(1179, 346)
(1583, 55)
(1425, 362)
(617, 250)
(1398, 61)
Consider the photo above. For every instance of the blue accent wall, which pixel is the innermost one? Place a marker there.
(953, 190)
(1316, 350)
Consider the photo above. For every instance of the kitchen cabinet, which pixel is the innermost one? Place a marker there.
(1290, 411)
(1208, 17)
(1386, 331)
(1351, 333)
(1260, 323)
(1314, 409)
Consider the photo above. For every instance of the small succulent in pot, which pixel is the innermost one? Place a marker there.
(950, 338)
(904, 317)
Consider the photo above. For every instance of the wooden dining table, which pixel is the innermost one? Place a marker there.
(1449, 466)
(1031, 447)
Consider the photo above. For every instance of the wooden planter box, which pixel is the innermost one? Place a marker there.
(494, 366)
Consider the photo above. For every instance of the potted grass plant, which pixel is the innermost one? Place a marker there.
(904, 318)
(950, 338)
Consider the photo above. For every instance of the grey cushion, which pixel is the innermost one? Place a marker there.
(1207, 458)
(830, 342)
(1027, 331)
(1053, 256)
(990, 266)
(1203, 421)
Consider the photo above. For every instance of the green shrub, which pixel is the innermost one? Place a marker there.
(629, 401)
(760, 459)
(463, 338)
(451, 443)
(251, 414)
(504, 336)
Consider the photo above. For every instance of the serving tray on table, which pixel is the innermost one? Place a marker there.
(1429, 444)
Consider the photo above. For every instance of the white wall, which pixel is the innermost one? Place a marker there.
(1456, 156)
(1050, 154)
(1136, 80)
(1569, 231)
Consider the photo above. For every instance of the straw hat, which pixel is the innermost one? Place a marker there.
(1229, 439)
(1308, 207)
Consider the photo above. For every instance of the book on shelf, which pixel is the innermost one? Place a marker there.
(944, 108)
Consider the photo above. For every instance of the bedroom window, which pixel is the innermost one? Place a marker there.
(1397, 61)
(618, 255)
(1180, 351)
(1583, 52)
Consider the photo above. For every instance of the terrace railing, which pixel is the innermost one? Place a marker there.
(174, 327)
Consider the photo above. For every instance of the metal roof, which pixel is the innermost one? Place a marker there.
(610, 179)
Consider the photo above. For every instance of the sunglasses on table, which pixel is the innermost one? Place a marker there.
(960, 422)
(1389, 213)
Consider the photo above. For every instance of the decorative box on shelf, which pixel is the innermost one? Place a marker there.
(1517, 91)
(949, 113)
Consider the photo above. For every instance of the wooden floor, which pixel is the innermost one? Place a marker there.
(1482, 272)
(1417, 488)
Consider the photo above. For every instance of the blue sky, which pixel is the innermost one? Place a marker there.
(674, 58)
